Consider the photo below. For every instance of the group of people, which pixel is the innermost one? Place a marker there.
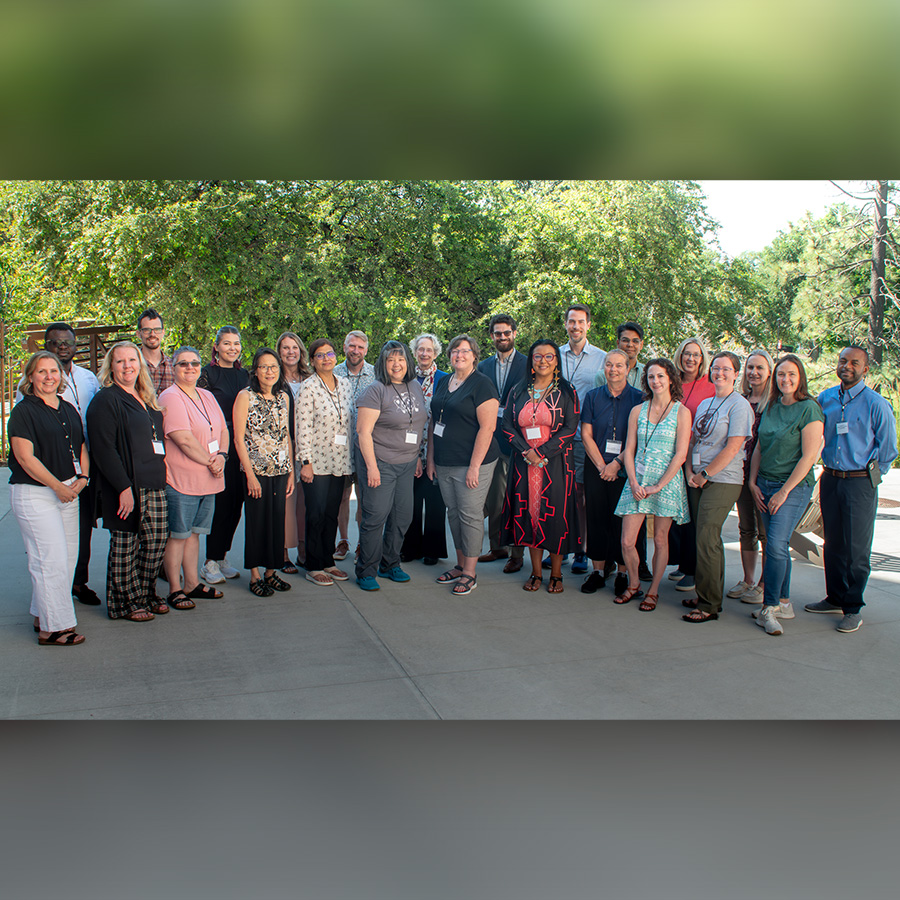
(565, 449)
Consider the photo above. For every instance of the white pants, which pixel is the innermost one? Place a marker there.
(50, 532)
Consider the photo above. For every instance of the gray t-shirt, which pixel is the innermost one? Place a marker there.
(715, 422)
(401, 409)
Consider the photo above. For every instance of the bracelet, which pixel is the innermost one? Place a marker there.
(82, 476)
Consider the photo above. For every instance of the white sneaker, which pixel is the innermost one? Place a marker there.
(211, 573)
(767, 619)
(227, 570)
(784, 610)
(740, 588)
(753, 594)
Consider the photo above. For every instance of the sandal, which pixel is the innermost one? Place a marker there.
(689, 602)
(139, 615)
(180, 600)
(158, 606)
(698, 615)
(289, 568)
(337, 574)
(276, 583)
(320, 578)
(629, 595)
(648, 604)
(67, 638)
(202, 592)
(468, 583)
(260, 588)
(448, 577)
(555, 585)
(533, 583)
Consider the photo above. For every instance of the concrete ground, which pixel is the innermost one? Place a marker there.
(413, 651)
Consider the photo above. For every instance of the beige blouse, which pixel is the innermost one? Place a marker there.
(323, 426)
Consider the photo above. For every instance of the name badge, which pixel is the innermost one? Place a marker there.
(500, 411)
(695, 460)
(639, 468)
(614, 447)
(533, 433)
(439, 429)
(77, 465)
(282, 456)
(843, 428)
(213, 446)
(412, 437)
(158, 448)
(340, 440)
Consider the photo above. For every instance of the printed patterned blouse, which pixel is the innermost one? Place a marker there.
(266, 435)
(324, 426)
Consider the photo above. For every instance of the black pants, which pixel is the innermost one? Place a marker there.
(604, 528)
(430, 540)
(683, 541)
(323, 501)
(264, 525)
(849, 506)
(227, 514)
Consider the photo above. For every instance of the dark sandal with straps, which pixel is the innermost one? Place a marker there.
(289, 568)
(698, 615)
(628, 595)
(448, 577)
(69, 639)
(202, 592)
(158, 606)
(276, 583)
(180, 600)
(648, 604)
(689, 603)
(139, 615)
(468, 583)
(533, 583)
(555, 585)
(260, 588)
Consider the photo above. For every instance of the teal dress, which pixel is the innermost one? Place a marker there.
(656, 447)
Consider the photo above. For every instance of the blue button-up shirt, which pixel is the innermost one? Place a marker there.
(872, 429)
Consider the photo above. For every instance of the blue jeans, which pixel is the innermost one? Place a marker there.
(779, 528)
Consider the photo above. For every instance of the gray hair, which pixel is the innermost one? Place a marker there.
(414, 343)
(181, 350)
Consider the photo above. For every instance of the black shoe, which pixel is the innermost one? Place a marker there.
(83, 594)
(608, 568)
(620, 585)
(430, 561)
(644, 573)
(593, 582)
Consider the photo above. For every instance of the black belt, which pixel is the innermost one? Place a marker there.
(838, 473)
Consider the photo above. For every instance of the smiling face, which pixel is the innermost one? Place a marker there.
(45, 378)
(659, 382)
(504, 337)
(125, 367)
(462, 358)
(150, 333)
(187, 369)
(228, 349)
(355, 350)
(289, 351)
(631, 343)
(851, 367)
(787, 377)
(395, 365)
(757, 368)
(62, 343)
(723, 375)
(615, 368)
(544, 361)
(324, 359)
(577, 326)
(691, 357)
(425, 354)
(268, 370)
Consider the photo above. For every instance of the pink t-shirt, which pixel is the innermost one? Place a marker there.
(695, 392)
(205, 422)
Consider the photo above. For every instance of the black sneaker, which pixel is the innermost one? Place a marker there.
(608, 568)
(644, 573)
(620, 585)
(593, 582)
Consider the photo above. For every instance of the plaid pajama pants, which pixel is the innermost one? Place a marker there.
(134, 559)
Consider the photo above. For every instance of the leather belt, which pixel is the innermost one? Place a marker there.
(838, 473)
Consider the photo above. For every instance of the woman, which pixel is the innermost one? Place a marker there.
(692, 362)
(540, 420)
(49, 467)
(127, 441)
(197, 445)
(756, 387)
(715, 476)
(462, 452)
(295, 368)
(426, 538)
(225, 379)
(781, 479)
(390, 424)
(262, 443)
(323, 456)
(659, 431)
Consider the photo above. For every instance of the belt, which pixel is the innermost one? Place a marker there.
(854, 473)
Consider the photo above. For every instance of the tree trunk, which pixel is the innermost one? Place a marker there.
(876, 293)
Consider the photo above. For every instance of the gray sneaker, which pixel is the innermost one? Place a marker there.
(211, 573)
(850, 622)
(686, 583)
(753, 594)
(740, 588)
(823, 606)
(784, 610)
(767, 619)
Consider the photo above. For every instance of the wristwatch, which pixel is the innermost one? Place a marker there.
(704, 474)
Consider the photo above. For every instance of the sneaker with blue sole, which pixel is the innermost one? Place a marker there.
(395, 574)
(580, 564)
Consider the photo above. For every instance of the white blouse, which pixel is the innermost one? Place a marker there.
(323, 426)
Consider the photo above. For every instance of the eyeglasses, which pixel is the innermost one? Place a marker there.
(329, 355)
(721, 370)
(63, 345)
(503, 334)
(460, 351)
(270, 368)
(544, 357)
(159, 330)
(194, 364)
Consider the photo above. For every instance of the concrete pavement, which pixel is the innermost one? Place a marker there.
(413, 651)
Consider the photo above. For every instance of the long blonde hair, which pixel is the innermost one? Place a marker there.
(144, 384)
(745, 383)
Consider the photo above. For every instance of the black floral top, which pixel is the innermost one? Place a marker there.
(266, 435)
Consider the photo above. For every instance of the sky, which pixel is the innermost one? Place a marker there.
(751, 213)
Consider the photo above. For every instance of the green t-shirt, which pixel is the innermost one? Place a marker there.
(780, 446)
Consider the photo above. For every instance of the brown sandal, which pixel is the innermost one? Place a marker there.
(555, 585)
(139, 615)
(689, 603)
(629, 595)
(648, 604)
(533, 583)
(698, 615)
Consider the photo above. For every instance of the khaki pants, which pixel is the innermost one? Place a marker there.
(709, 508)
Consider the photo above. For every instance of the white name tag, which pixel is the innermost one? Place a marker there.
(533, 433)
(695, 460)
(282, 456)
(500, 411)
(213, 446)
(843, 428)
(614, 447)
(412, 437)
(158, 448)
(439, 429)
(77, 465)
(340, 440)
(639, 468)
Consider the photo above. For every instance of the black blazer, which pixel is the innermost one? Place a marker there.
(517, 373)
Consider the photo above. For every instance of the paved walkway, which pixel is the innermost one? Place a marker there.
(414, 651)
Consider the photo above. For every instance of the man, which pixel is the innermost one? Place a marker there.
(630, 339)
(81, 385)
(150, 337)
(580, 362)
(860, 445)
(506, 368)
(360, 374)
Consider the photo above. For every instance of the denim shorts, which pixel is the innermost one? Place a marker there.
(189, 514)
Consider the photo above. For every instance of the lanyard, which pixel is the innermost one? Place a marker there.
(841, 394)
(706, 422)
(571, 373)
(335, 399)
(61, 418)
(407, 407)
(201, 408)
(503, 367)
(647, 424)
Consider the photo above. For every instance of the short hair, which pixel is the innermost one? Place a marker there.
(317, 345)
(630, 326)
(862, 350)
(58, 326)
(225, 329)
(254, 379)
(387, 351)
(675, 389)
(303, 366)
(414, 343)
(476, 348)
(802, 392)
(357, 334)
(617, 352)
(746, 390)
(581, 307)
(501, 319)
(150, 313)
(144, 383)
(733, 358)
(184, 349)
(26, 387)
(704, 354)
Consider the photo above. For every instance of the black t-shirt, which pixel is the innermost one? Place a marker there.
(56, 435)
(224, 384)
(457, 411)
